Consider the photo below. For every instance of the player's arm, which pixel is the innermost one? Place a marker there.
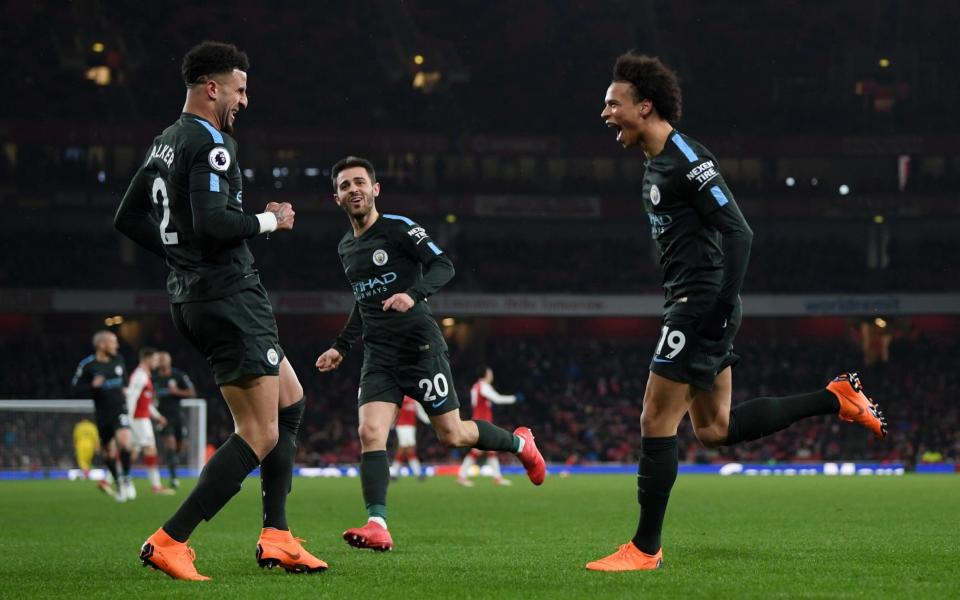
(134, 217)
(349, 335)
(81, 382)
(209, 195)
(714, 202)
(494, 396)
(186, 390)
(437, 269)
(422, 414)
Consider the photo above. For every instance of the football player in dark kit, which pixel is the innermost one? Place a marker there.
(171, 385)
(101, 376)
(704, 246)
(185, 205)
(393, 267)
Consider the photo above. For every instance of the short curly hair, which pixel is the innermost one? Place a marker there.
(653, 80)
(211, 58)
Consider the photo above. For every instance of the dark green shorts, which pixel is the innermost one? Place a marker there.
(237, 334)
(681, 355)
(429, 382)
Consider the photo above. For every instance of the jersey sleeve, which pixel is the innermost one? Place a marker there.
(184, 382)
(134, 217)
(494, 396)
(703, 184)
(351, 331)
(81, 382)
(438, 268)
(210, 193)
(138, 381)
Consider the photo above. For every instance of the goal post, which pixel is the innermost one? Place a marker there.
(38, 434)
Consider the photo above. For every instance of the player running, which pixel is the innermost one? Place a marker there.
(393, 267)
(704, 244)
(140, 403)
(185, 205)
(406, 428)
(482, 399)
(101, 376)
(171, 385)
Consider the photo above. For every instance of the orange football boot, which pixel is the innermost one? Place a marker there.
(174, 558)
(855, 407)
(628, 558)
(278, 548)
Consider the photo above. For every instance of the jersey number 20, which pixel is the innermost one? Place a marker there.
(169, 237)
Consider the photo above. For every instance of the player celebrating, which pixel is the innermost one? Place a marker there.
(140, 399)
(406, 427)
(101, 376)
(393, 267)
(704, 244)
(482, 398)
(185, 205)
(170, 386)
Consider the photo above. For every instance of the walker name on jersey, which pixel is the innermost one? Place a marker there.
(418, 234)
(373, 286)
(703, 173)
(162, 152)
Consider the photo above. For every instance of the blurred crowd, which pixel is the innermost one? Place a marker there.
(583, 398)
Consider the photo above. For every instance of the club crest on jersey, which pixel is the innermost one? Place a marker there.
(272, 357)
(380, 258)
(219, 159)
(654, 195)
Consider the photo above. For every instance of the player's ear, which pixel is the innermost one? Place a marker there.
(212, 88)
(376, 189)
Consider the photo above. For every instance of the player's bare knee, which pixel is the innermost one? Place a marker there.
(712, 436)
(371, 435)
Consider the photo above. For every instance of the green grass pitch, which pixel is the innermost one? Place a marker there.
(726, 537)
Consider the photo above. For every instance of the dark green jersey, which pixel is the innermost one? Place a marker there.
(186, 205)
(703, 239)
(108, 399)
(395, 255)
(161, 387)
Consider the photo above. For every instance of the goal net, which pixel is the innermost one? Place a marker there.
(37, 435)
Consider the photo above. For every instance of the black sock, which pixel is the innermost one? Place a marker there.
(655, 477)
(493, 438)
(276, 470)
(374, 479)
(760, 417)
(171, 458)
(219, 481)
(125, 462)
(111, 463)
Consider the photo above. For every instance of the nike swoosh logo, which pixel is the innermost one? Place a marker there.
(290, 554)
(438, 404)
(662, 360)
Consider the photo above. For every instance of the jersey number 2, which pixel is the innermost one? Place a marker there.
(169, 238)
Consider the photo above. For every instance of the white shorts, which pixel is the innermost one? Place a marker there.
(406, 436)
(143, 434)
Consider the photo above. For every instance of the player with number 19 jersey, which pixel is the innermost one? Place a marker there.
(689, 205)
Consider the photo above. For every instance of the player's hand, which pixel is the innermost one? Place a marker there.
(285, 214)
(97, 382)
(399, 302)
(162, 421)
(173, 387)
(329, 360)
(713, 323)
(520, 397)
